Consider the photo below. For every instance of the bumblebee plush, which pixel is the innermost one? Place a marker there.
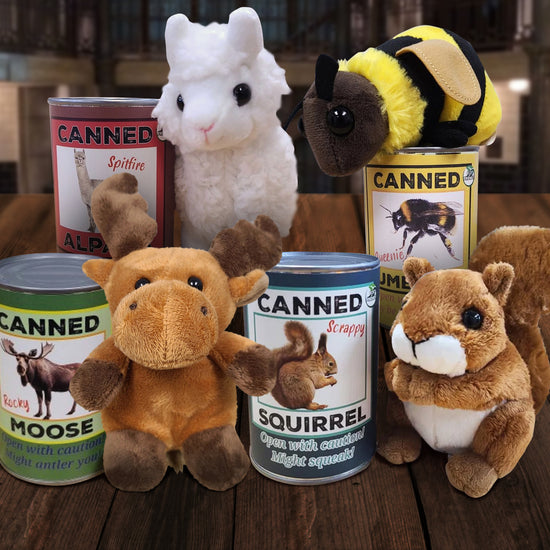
(425, 86)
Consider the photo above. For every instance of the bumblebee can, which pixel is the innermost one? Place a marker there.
(320, 315)
(94, 138)
(419, 202)
(51, 317)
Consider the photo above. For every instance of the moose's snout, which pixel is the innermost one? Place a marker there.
(175, 319)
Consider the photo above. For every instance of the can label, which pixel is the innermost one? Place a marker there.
(87, 150)
(420, 204)
(45, 437)
(317, 425)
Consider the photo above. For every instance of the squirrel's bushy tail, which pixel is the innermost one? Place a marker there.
(299, 347)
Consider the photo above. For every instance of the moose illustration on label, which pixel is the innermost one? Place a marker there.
(43, 375)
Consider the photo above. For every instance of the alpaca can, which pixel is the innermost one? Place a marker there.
(51, 317)
(94, 138)
(320, 315)
(419, 202)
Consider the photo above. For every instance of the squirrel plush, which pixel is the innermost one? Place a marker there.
(527, 249)
(165, 381)
(458, 382)
(300, 371)
(425, 86)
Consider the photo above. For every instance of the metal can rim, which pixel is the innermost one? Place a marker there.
(325, 262)
(66, 267)
(102, 101)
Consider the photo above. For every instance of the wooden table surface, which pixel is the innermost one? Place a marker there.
(383, 507)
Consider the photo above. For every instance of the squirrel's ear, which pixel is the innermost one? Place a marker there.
(98, 270)
(414, 268)
(247, 288)
(498, 278)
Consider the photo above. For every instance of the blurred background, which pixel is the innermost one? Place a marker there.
(116, 48)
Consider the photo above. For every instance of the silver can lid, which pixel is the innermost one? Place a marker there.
(103, 101)
(325, 262)
(49, 273)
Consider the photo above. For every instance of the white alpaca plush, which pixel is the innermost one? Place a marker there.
(219, 109)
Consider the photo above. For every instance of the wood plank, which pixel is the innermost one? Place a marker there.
(179, 513)
(44, 517)
(373, 509)
(326, 223)
(27, 224)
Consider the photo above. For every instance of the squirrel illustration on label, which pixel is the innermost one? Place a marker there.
(300, 370)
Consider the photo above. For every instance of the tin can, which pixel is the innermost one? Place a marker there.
(51, 317)
(419, 202)
(94, 138)
(320, 313)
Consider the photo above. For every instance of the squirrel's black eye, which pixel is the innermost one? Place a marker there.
(180, 103)
(141, 282)
(195, 282)
(242, 94)
(340, 120)
(472, 318)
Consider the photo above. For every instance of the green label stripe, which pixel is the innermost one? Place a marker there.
(52, 302)
(50, 431)
(54, 464)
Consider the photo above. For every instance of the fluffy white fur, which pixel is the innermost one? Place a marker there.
(234, 161)
(440, 354)
(445, 430)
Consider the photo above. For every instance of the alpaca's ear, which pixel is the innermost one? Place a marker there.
(244, 31)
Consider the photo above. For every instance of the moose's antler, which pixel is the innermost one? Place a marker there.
(45, 349)
(248, 246)
(121, 215)
(7, 346)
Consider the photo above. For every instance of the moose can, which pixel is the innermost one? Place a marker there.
(51, 317)
(419, 202)
(320, 315)
(94, 138)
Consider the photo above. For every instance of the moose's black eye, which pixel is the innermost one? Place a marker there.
(242, 93)
(472, 318)
(195, 282)
(141, 282)
(340, 120)
(180, 103)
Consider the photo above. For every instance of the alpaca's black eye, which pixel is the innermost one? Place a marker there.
(180, 103)
(195, 282)
(242, 93)
(472, 318)
(340, 120)
(141, 282)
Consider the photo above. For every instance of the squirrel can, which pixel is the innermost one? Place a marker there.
(320, 315)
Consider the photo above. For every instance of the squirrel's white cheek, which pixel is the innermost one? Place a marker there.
(402, 346)
(442, 354)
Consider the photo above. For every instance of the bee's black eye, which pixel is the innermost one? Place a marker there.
(340, 120)
(242, 93)
(180, 103)
(195, 282)
(472, 318)
(141, 282)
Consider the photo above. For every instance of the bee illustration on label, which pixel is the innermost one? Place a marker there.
(426, 218)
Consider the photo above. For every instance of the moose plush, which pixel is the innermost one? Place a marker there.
(165, 381)
(425, 86)
(458, 382)
(219, 108)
